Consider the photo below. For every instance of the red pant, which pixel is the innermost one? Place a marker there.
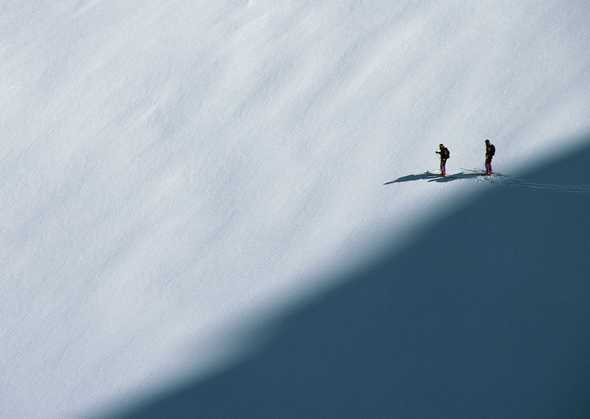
(443, 169)
(489, 166)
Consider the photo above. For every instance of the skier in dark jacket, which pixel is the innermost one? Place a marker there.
(490, 152)
(444, 156)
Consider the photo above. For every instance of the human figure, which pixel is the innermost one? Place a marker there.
(490, 152)
(445, 154)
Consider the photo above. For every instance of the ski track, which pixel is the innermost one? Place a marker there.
(514, 181)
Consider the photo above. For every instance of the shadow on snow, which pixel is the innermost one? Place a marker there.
(456, 176)
(412, 178)
(483, 314)
(433, 177)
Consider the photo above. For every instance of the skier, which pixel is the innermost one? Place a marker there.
(490, 151)
(445, 154)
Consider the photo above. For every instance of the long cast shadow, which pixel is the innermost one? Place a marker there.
(456, 176)
(433, 177)
(483, 315)
(412, 178)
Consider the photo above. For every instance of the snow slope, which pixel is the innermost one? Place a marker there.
(482, 313)
(173, 171)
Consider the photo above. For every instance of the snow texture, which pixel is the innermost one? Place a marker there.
(178, 174)
(481, 314)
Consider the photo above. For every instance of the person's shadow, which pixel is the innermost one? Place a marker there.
(434, 177)
(456, 176)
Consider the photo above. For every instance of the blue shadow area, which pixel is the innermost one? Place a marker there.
(484, 314)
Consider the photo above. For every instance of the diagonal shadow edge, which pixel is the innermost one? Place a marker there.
(482, 314)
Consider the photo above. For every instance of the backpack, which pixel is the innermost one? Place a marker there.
(446, 153)
(492, 150)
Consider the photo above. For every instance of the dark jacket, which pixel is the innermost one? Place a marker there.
(490, 151)
(444, 153)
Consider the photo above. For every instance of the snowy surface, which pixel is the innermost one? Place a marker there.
(174, 171)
